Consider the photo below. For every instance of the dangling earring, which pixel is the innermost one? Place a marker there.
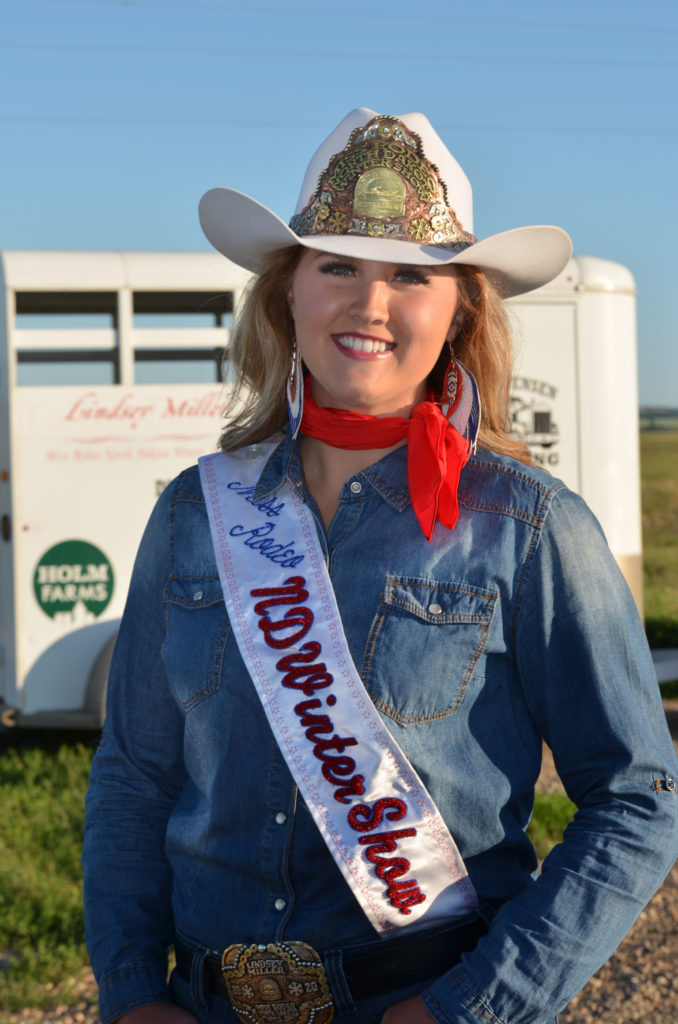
(451, 378)
(295, 391)
(451, 382)
(461, 398)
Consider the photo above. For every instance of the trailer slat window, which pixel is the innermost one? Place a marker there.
(78, 337)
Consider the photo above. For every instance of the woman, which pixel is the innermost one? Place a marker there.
(348, 635)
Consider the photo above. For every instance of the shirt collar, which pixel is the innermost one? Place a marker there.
(388, 476)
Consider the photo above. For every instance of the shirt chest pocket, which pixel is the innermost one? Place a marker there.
(197, 631)
(423, 647)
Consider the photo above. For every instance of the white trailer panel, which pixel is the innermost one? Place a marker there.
(81, 464)
(575, 395)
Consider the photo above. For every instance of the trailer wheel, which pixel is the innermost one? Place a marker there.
(95, 695)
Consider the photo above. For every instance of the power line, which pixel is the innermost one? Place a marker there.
(317, 12)
(261, 125)
(342, 55)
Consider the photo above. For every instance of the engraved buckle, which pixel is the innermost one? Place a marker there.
(280, 983)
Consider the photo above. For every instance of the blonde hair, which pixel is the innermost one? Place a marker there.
(261, 349)
(485, 346)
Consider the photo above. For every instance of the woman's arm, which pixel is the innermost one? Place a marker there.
(410, 1011)
(589, 685)
(137, 776)
(158, 1013)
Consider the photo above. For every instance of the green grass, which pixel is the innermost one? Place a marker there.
(659, 463)
(41, 815)
(552, 811)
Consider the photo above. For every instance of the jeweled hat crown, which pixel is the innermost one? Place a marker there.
(383, 185)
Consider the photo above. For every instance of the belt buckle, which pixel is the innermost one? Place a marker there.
(279, 983)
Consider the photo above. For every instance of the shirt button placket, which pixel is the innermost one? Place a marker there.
(280, 896)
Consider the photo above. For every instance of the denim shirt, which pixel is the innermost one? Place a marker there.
(514, 627)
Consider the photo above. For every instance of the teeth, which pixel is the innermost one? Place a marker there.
(362, 344)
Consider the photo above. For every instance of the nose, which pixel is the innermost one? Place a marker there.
(370, 301)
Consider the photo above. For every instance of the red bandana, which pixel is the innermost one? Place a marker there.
(436, 451)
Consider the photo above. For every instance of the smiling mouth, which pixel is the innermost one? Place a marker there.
(362, 344)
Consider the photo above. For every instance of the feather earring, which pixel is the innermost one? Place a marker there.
(295, 391)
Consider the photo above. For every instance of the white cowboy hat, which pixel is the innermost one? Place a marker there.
(385, 188)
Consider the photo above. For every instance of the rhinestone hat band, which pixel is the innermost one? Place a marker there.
(383, 186)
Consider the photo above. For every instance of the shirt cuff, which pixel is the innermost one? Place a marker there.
(135, 985)
(451, 1000)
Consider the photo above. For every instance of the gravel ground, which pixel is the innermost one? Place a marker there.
(638, 985)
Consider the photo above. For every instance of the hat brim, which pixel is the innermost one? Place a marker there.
(247, 232)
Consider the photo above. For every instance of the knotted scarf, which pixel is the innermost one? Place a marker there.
(437, 450)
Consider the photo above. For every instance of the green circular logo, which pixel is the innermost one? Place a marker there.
(73, 578)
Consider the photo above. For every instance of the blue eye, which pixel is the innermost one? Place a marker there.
(338, 267)
(411, 275)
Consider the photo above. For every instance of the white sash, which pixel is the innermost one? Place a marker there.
(381, 826)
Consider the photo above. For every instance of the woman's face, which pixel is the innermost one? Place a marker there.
(370, 333)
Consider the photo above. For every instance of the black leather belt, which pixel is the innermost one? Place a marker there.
(375, 967)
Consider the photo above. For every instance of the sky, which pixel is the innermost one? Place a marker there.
(117, 115)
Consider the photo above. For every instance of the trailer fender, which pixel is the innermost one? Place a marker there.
(97, 684)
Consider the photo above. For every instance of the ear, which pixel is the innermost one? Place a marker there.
(290, 300)
(455, 326)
